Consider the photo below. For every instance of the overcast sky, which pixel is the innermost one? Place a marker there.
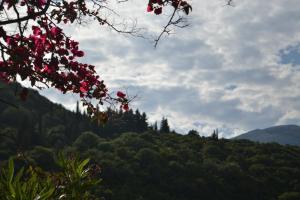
(234, 68)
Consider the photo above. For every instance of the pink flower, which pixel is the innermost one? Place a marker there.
(10, 40)
(47, 69)
(158, 11)
(126, 107)
(62, 52)
(74, 44)
(121, 94)
(84, 87)
(41, 3)
(36, 30)
(55, 31)
(79, 53)
(149, 8)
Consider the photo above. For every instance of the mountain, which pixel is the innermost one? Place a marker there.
(285, 134)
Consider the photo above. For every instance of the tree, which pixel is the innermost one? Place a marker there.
(86, 141)
(215, 135)
(77, 108)
(141, 121)
(155, 126)
(45, 55)
(164, 126)
(193, 132)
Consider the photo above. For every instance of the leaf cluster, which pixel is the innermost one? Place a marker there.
(32, 183)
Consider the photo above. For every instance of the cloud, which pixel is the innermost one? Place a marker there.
(232, 69)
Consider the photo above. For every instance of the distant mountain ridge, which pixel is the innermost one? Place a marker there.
(284, 134)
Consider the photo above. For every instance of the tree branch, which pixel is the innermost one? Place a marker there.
(1, 4)
(31, 16)
(165, 28)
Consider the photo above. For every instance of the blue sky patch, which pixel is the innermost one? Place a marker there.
(290, 55)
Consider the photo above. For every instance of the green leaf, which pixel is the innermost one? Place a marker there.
(47, 194)
(83, 164)
(11, 170)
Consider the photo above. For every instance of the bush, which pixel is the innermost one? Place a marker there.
(86, 141)
(72, 182)
(289, 196)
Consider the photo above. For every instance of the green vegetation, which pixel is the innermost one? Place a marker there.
(137, 161)
(69, 182)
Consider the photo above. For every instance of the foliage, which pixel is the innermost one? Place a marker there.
(25, 184)
(289, 196)
(77, 177)
(30, 183)
(178, 167)
(86, 140)
(193, 132)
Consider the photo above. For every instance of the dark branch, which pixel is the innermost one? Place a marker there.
(1, 4)
(165, 30)
(31, 16)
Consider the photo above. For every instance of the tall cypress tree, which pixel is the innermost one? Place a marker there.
(144, 123)
(164, 126)
(155, 128)
(77, 108)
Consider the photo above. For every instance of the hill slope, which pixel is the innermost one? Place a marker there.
(141, 163)
(38, 121)
(285, 134)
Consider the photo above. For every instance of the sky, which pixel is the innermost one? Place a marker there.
(234, 68)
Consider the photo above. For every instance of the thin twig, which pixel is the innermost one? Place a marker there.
(165, 28)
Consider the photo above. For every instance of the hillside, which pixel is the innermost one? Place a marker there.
(140, 162)
(38, 121)
(285, 134)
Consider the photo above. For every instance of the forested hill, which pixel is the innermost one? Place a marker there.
(285, 134)
(140, 162)
(34, 120)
